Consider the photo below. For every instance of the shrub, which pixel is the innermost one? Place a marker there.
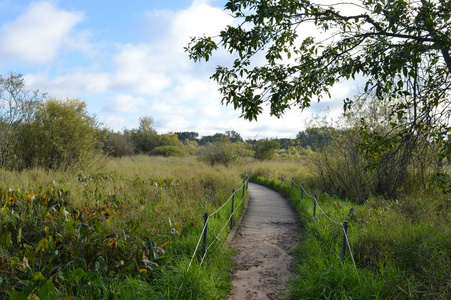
(62, 135)
(169, 151)
(266, 149)
(224, 152)
(119, 144)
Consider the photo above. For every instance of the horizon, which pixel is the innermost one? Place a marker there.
(132, 64)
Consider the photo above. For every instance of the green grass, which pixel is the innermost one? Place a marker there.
(127, 231)
(402, 249)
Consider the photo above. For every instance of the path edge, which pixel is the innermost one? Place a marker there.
(240, 218)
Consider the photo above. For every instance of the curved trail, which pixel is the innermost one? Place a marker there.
(264, 239)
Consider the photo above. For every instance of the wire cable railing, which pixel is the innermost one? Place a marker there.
(203, 235)
(343, 225)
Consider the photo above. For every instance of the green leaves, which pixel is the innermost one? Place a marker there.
(62, 135)
(82, 231)
(399, 48)
(17, 105)
(47, 291)
(201, 48)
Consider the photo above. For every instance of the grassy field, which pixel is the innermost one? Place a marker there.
(127, 231)
(401, 248)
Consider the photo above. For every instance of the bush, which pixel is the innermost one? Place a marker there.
(266, 149)
(62, 135)
(224, 152)
(17, 106)
(119, 144)
(341, 169)
(169, 151)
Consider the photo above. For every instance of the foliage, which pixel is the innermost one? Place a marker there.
(125, 233)
(341, 168)
(224, 153)
(286, 143)
(400, 248)
(399, 50)
(290, 153)
(265, 149)
(118, 144)
(316, 137)
(169, 151)
(217, 137)
(234, 136)
(145, 137)
(169, 140)
(17, 105)
(62, 135)
(169, 145)
(191, 136)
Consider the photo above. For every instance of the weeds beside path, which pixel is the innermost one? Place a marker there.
(265, 238)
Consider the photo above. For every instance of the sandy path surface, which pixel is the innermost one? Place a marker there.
(268, 232)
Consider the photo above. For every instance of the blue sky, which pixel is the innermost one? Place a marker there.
(125, 59)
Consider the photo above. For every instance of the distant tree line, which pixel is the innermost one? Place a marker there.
(37, 131)
(59, 133)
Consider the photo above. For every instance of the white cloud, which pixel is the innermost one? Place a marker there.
(159, 80)
(72, 85)
(200, 18)
(170, 124)
(125, 104)
(116, 123)
(140, 70)
(37, 35)
(173, 31)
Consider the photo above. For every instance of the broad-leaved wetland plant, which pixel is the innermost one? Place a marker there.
(127, 232)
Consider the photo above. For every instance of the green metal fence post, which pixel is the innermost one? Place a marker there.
(204, 239)
(233, 204)
(314, 207)
(343, 245)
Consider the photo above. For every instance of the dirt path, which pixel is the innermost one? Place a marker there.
(268, 232)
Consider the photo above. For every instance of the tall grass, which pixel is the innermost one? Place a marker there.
(125, 232)
(402, 249)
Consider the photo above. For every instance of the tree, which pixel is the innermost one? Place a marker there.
(266, 149)
(191, 136)
(224, 152)
(169, 145)
(400, 49)
(118, 144)
(316, 137)
(145, 137)
(62, 135)
(17, 105)
(217, 137)
(286, 143)
(234, 136)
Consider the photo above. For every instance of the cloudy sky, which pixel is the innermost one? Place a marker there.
(125, 59)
